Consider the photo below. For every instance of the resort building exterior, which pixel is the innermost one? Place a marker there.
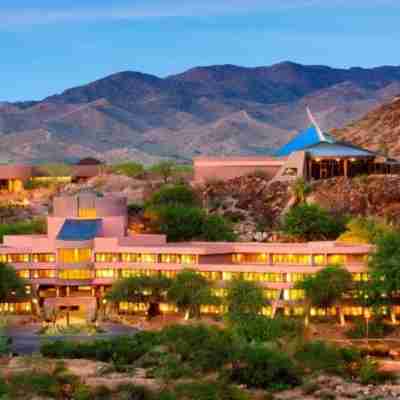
(88, 247)
(312, 154)
(14, 176)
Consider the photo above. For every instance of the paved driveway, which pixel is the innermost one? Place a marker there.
(26, 341)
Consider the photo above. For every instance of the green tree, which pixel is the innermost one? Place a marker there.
(141, 289)
(164, 169)
(301, 189)
(173, 195)
(243, 299)
(12, 287)
(178, 223)
(189, 291)
(23, 228)
(56, 170)
(326, 289)
(364, 230)
(384, 268)
(217, 229)
(131, 169)
(310, 222)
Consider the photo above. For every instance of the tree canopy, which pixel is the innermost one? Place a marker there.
(164, 169)
(244, 298)
(173, 195)
(310, 222)
(189, 291)
(131, 169)
(364, 230)
(12, 287)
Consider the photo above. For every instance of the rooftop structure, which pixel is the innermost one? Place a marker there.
(88, 246)
(311, 154)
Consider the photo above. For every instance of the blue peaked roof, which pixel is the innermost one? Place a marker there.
(79, 229)
(303, 139)
(321, 144)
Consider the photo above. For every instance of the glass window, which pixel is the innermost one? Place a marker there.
(89, 213)
(3, 258)
(75, 274)
(272, 294)
(43, 257)
(211, 275)
(250, 258)
(23, 273)
(319, 259)
(127, 273)
(293, 294)
(104, 273)
(71, 256)
(171, 258)
(107, 257)
(18, 258)
(43, 273)
(228, 276)
(296, 259)
(336, 259)
(169, 274)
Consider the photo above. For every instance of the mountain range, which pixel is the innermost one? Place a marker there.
(213, 110)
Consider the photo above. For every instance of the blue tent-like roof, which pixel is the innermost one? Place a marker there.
(76, 229)
(318, 143)
(304, 139)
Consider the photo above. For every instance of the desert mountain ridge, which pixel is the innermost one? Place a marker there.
(223, 109)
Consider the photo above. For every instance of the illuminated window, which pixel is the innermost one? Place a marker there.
(188, 259)
(250, 258)
(43, 273)
(17, 258)
(149, 258)
(3, 258)
(211, 275)
(75, 274)
(71, 256)
(127, 273)
(267, 311)
(168, 308)
(169, 274)
(138, 258)
(336, 259)
(43, 257)
(23, 307)
(107, 257)
(296, 259)
(272, 294)
(211, 309)
(219, 292)
(361, 277)
(293, 294)
(228, 276)
(104, 273)
(296, 276)
(23, 273)
(89, 213)
(133, 307)
(319, 259)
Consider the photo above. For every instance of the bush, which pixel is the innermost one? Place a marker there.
(131, 169)
(376, 329)
(217, 229)
(201, 347)
(311, 222)
(319, 356)
(23, 228)
(120, 350)
(259, 329)
(370, 374)
(259, 367)
(134, 392)
(174, 195)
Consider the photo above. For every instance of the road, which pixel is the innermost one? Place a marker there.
(25, 340)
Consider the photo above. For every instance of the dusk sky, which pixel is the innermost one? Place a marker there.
(50, 45)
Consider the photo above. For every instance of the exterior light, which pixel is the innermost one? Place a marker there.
(104, 301)
(34, 301)
(317, 159)
(352, 159)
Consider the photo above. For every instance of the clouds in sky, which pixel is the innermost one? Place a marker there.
(46, 12)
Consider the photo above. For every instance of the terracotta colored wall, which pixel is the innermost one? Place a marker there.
(22, 172)
(215, 259)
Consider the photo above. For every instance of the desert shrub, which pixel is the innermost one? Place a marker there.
(174, 195)
(209, 391)
(369, 373)
(201, 347)
(216, 228)
(258, 328)
(260, 367)
(23, 228)
(131, 169)
(376, 329)
(310, 387)
(121, 350)
(311, 222)
(134, 208)
(134, 392)
(319, 356)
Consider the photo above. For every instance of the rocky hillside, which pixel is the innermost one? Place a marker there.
(378, 130)
(207, 110)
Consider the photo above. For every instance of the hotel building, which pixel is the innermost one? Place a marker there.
(88, 247)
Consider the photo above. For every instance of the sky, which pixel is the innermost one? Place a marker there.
(48, 46)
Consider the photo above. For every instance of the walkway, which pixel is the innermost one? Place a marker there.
(26, 341)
